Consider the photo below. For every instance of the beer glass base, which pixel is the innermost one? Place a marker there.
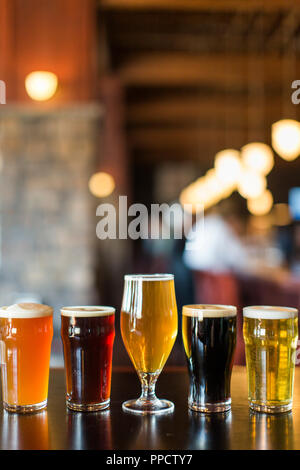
(88, 407)
(144, 407)
(211, 407)
(270, 408)
(23, 409)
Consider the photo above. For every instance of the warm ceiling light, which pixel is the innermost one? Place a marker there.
(286, 138)
(41, 86)
(262, 204)
(228, 165)
(193, 195)
(258, 157)
(101, 184)
(206, 191)
(281, 214)
(251, 184)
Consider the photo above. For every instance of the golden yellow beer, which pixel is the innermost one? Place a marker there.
(270, 335)
(149, 320)
(149, 329)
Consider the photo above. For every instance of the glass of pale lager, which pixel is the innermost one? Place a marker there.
(149, 329)
(270, 335)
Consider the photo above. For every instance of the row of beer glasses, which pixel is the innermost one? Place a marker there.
(149, 326)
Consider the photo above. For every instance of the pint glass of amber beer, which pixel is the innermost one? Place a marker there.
(270, 335)
(88, 335)
(149, 329)
(25, 339)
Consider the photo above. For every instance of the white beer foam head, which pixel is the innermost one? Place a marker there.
(87, 311)
(26, 310)
(149, 277)
(265, 312)
(209, 311)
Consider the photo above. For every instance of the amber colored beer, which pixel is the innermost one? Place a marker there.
(149, 327)
(88, 335)
(26, 332)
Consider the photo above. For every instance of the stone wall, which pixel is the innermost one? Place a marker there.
(47, 213)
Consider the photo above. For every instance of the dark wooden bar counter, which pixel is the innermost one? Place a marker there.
(59, 428)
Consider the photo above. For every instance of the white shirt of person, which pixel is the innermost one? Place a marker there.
(213, 246)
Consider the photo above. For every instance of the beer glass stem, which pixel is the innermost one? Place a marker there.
(148, 382)
(148, 403)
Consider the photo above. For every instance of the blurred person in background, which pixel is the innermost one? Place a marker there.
(217, 246)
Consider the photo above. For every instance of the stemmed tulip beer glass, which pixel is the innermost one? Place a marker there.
(149, 328)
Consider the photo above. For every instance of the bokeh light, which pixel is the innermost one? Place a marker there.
(251, 184)
(228, 165)
(258, 157)
(101, 184)
(286, 138)
(261, 205)
(281, 214)
(40, 85)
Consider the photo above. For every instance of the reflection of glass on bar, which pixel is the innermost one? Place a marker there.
(270, 431)
(209, 338)
(29, 433)
(26, 334)
(88, 335)
(270, 335)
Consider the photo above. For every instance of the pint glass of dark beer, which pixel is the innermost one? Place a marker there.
(88, 336)
(209, 338)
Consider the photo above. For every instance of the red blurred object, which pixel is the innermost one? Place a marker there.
(222, 288)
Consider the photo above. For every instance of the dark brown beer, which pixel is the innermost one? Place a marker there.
(209, 337)
(88, 336)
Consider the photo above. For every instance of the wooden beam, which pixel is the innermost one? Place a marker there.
(206, 109)
(187, 139)
(198, 5)
(177, 69)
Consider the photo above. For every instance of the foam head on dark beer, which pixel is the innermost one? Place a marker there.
(209, 311)
(88, 311)
(26, 310)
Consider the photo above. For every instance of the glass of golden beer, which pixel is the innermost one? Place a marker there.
(149, 328)
(26, 332)
(270, 335)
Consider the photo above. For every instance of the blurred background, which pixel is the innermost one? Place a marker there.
(164, 101)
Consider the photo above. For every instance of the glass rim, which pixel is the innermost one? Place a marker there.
(86, 311)
(269, 312)
(209, 310)
(149, 277)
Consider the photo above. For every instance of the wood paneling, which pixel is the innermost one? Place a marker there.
(177, 69)
(174, 109)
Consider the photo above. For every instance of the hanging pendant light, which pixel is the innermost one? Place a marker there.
(258, 157)
(262, 204)
(228, 165)
(251, 184)
(286, 138)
